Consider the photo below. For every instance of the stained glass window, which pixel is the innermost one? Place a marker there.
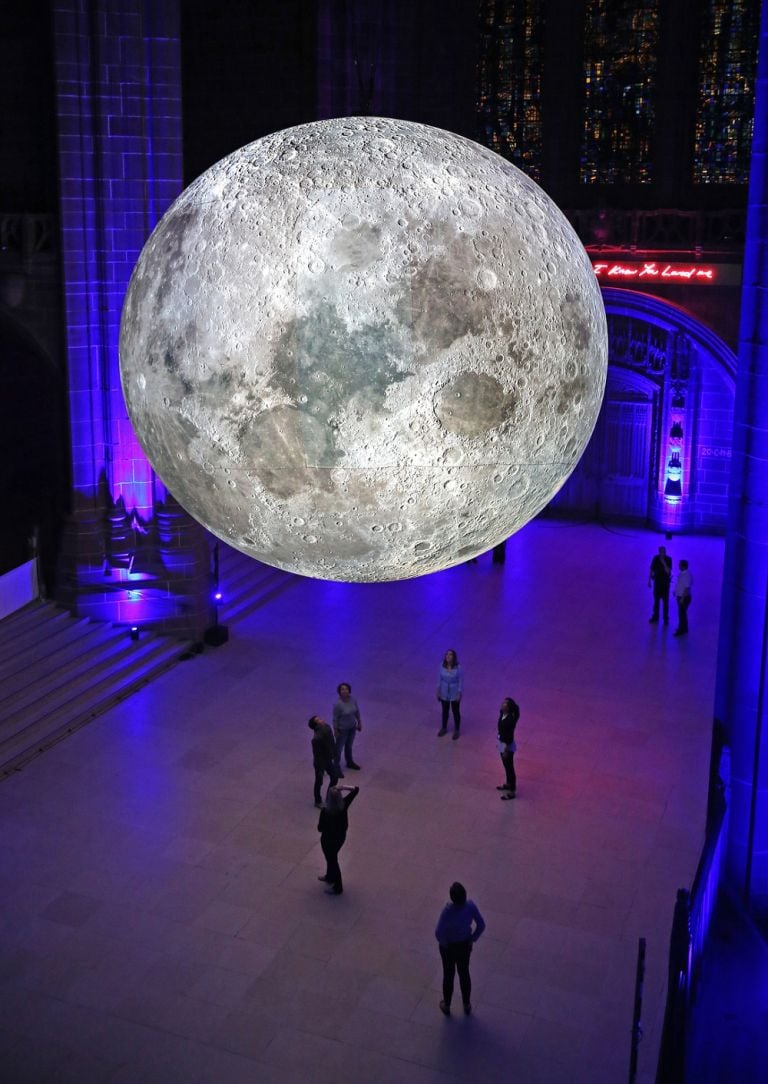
(620, 60)
(725, 108)
(509, 80)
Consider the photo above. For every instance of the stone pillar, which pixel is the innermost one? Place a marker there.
(120, 166)
(741, 695)
(384, 59)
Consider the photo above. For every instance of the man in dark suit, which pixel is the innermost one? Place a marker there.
(660, 577)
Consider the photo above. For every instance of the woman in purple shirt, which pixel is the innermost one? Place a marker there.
(456, 937)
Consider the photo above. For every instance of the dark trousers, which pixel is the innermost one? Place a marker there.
(455, 957)
(331, 848)
(682, 612)
(508, 760)
(661, 595)
(319, 773)
(452, 705)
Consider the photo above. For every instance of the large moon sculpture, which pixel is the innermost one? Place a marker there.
(363, 349)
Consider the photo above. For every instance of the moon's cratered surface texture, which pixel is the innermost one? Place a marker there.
(363, 349)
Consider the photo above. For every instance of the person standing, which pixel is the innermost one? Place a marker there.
(499, 553)
(683, 598)
(323, 755)
(660, 578)
(456, 936)
(332, 826)
(508, 716)
(450, 686)
(346, 723)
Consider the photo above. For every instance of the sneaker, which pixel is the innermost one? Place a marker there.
(443, 731)
(354, 767)
(445, 1008)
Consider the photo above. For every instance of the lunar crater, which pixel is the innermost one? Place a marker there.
(368, 349)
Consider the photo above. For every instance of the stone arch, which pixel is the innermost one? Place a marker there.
(673, 318)
(660, 453)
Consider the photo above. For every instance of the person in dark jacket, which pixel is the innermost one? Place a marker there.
(508, 716)
(456, 936)
(323, 755)
(660, 577)
(332, 826)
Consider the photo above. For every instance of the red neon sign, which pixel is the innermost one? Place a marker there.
(653, 271)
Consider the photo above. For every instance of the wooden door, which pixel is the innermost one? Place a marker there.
(623, 486)
(612, 478)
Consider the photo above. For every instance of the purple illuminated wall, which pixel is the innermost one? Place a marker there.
(742, 696)
(660, 453)
(120, 162)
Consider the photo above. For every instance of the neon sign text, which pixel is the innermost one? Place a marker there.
(657, 272)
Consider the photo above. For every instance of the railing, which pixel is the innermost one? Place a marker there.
(667, 229)
(661, 230)
(690, 926)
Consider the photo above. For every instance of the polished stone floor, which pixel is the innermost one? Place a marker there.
(161, 914)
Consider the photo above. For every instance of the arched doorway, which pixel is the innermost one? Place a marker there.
(660, 452)
(32, 451)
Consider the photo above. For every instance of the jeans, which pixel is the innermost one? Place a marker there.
(319, 773)
(455, 957)
(344, 745)
(453, 705)
(508, 760)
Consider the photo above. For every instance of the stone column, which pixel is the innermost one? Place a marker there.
(120, 165)
(741, 695)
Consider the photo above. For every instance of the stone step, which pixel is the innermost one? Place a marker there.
(76, 709)
(268, 591)
(35, 644)
(35, 668)
(58, 672)
(36, 703)
(95, 648)
(246, 584)
(14, 624)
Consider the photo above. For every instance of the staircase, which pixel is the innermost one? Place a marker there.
(58, 672)
(246, 585)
